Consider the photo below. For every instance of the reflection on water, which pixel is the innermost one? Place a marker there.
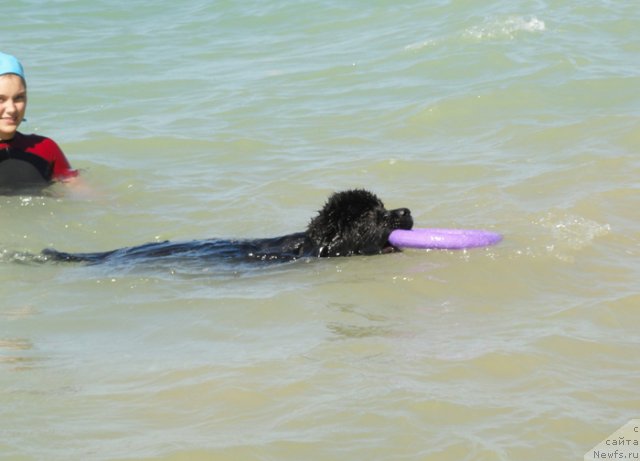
(18, 354)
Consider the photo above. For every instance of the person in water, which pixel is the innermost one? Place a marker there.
(26, 160)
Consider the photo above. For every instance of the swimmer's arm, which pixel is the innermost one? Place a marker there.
(78, 187)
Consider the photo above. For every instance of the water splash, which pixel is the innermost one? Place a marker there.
(505, 28)
(491, 29)
(420, 45)
(563, 235)
(574, 232)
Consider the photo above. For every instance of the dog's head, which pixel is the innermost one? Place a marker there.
(355, 222)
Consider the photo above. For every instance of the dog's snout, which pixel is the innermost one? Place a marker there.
(401, 213)
(402, 218)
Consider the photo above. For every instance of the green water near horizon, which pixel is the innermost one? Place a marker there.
(224, 119)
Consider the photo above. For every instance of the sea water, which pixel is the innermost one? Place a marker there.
(201, 119)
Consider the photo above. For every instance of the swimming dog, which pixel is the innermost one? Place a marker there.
(352, 222)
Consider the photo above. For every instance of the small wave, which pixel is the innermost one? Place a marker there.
(20, 257)
(563, 235)
(420, 45)
(574, 232)
(496, 29)
(506, 28)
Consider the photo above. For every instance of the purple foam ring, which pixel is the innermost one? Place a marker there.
(443, 239)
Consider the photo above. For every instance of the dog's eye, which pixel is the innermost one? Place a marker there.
(386, 215)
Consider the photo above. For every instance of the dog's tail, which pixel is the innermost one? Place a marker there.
(58, 256)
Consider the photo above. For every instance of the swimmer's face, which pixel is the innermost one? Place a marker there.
(13, 104)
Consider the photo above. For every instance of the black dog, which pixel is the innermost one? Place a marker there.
(353, 222)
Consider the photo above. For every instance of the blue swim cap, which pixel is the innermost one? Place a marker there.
(10, 65)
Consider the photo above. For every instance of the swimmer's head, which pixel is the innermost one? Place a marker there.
(10, 65)
(13, 96)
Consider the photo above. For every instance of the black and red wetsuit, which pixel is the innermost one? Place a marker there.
(32, 161)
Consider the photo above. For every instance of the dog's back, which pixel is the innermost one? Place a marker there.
(284, 248)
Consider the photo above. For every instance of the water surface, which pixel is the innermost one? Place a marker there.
(222, 119)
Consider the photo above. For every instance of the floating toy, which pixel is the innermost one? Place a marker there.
(443, 239)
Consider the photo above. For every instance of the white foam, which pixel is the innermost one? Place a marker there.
(508, 28)
(566, 234)
(420, 45)
(491, 29)
(575, 232)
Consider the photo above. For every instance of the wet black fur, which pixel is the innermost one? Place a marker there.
(352, 222)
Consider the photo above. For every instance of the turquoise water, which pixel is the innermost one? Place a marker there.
(228, 119)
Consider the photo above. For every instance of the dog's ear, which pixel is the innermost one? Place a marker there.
(346, 224)
(343, 208)
(347, 206)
